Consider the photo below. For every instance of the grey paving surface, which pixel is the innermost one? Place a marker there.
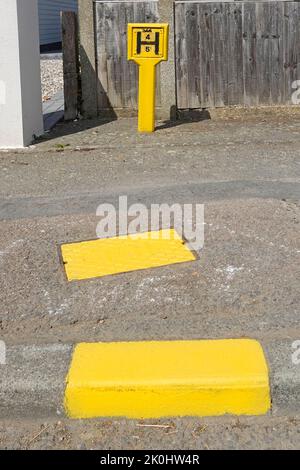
(53, 110)
(245, 169)
(186, 433)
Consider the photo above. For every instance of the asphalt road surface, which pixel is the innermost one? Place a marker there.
(244, 167)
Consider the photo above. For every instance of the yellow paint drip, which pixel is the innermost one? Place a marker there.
(167, 378)
(102, 257)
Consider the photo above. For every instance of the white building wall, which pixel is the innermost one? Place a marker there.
(49, 18)
(20, 82)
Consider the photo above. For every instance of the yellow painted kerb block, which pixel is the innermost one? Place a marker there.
(102, 257)
(167, 378)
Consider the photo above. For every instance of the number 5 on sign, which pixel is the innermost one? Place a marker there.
(147, 46)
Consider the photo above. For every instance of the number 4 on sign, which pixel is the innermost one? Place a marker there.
(147, 47)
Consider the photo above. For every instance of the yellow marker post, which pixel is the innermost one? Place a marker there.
(147, 47)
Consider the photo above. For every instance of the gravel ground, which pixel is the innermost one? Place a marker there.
(185, 433)
(52, 77)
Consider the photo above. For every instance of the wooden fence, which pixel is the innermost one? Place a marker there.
(226, 53)
(236, 53)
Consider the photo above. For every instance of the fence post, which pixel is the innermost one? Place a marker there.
(87, 54)
(70, 63)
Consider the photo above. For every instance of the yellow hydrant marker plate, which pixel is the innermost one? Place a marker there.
(155, 379)
(148, 41)
(102, 257)
(147, 47)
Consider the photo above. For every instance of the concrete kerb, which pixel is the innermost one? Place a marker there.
(33, 379)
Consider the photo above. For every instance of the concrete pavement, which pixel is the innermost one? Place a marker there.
(185, 434)
(243, 167)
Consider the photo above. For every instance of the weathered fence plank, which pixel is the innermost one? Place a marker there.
(192, 37)
(262, 22)
(235, 57)
(117, 77)
(236, 53)
(70, 63)
(249, 62)
(220, 26)
(276, 53)
(181, 66)
(205, 65)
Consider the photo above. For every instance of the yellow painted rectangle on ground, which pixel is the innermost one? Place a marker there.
(102, 257)
(167, 378)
